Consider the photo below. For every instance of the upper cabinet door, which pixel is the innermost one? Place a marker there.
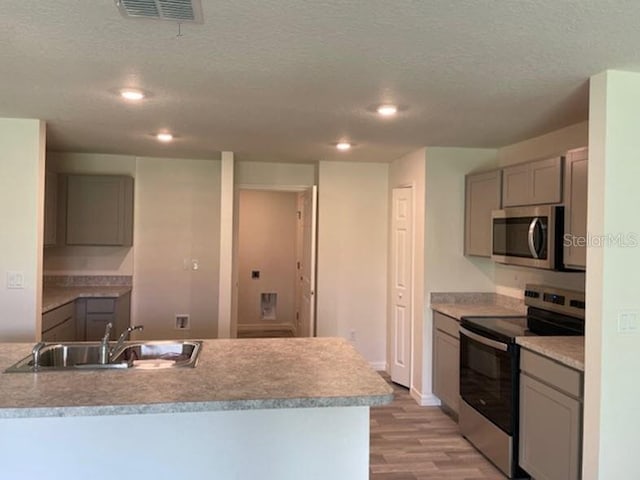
(482, 195)
(532, 183)
(575, 219)
(99, 210)
(546, 181)
(515, 185)
(50, 208)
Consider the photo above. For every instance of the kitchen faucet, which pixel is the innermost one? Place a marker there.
(36, 355)
(123, 336)
(106, 353)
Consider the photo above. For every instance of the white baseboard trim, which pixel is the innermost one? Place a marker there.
(379, 366)
(424, 400)
(249, 327)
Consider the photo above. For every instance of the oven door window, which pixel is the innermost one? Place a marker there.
(487, 381)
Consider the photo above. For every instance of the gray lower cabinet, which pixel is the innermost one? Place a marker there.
(550, 418)
(99, 210)
(482, 195)
(532, 183)
(446, 361)
(575, 201)
(59, 325)
(95, 313)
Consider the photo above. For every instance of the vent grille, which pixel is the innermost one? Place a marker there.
(182, 11)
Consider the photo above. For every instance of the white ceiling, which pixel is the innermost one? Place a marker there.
(281, 80)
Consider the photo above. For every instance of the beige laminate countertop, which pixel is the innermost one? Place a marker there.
(238, 374)
(54, 297)
(566, 350)
(459, 310)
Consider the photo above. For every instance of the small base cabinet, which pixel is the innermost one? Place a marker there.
(446, 361)
(550, 418)
(94, 313)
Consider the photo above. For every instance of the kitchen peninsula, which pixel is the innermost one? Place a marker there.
(255, 408)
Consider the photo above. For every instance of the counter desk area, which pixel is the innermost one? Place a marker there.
(255, 408)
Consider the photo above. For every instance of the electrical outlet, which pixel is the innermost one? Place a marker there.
(182, 321)
(352, 336)
(628, 323)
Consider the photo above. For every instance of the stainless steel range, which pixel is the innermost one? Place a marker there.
(490, 372)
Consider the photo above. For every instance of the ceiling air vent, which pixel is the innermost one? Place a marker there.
(181, 11)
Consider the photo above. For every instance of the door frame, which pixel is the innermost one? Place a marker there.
(236, 215)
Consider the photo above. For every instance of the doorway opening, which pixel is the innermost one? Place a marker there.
(274, 287)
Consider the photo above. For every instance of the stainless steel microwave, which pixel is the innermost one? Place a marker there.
(528, 236)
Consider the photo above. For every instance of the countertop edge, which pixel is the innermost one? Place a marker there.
(195, 407)
(62, 298)
(551, 352)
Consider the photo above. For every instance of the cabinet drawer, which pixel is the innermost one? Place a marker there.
(101, 305)
(552, 373)
(446, 324)
(57, 316)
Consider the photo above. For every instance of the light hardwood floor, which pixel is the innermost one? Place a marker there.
(409, 442)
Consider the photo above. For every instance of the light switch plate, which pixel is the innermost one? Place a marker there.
(15, 280)
(628, 322)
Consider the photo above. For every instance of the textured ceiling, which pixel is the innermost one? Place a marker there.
(283, 79)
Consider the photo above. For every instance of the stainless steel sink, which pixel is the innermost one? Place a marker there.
(160, 354)
(86, 356)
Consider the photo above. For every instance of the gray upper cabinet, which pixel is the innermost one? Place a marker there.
(99, 210)
(482, 195)
(50, 208)
(532, 183)
(575, 220)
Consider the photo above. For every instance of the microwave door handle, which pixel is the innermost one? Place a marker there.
(531, 237)
(483, 340)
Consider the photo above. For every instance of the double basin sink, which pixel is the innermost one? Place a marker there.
(86, 355)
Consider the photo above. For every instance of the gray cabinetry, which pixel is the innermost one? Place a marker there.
(59, 325)
(550, 418)
(532, 183)
(50, 207)
(446, 361)
(482, 195)
(94, 314)
(575, 200)
(99, 210)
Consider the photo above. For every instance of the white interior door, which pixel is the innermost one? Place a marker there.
(402, 284)
(307, 263)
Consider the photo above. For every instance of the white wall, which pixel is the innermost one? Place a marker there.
(511, 280)
(611, 407)
(446, 269)
(90, 260)
(177, 220)
(352, 255)
(272, 174)
(22, 144)
(267, 231)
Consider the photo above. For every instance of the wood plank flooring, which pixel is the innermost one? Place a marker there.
(410, 442)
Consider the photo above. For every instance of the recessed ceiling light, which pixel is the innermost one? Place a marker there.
(387, 110)
(343, 146)
(164, 137)
(132, 94)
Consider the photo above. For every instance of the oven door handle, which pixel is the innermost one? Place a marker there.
(531, 237)
(485, 341)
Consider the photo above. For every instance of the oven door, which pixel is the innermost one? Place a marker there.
(525, 236)
(488, 370)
